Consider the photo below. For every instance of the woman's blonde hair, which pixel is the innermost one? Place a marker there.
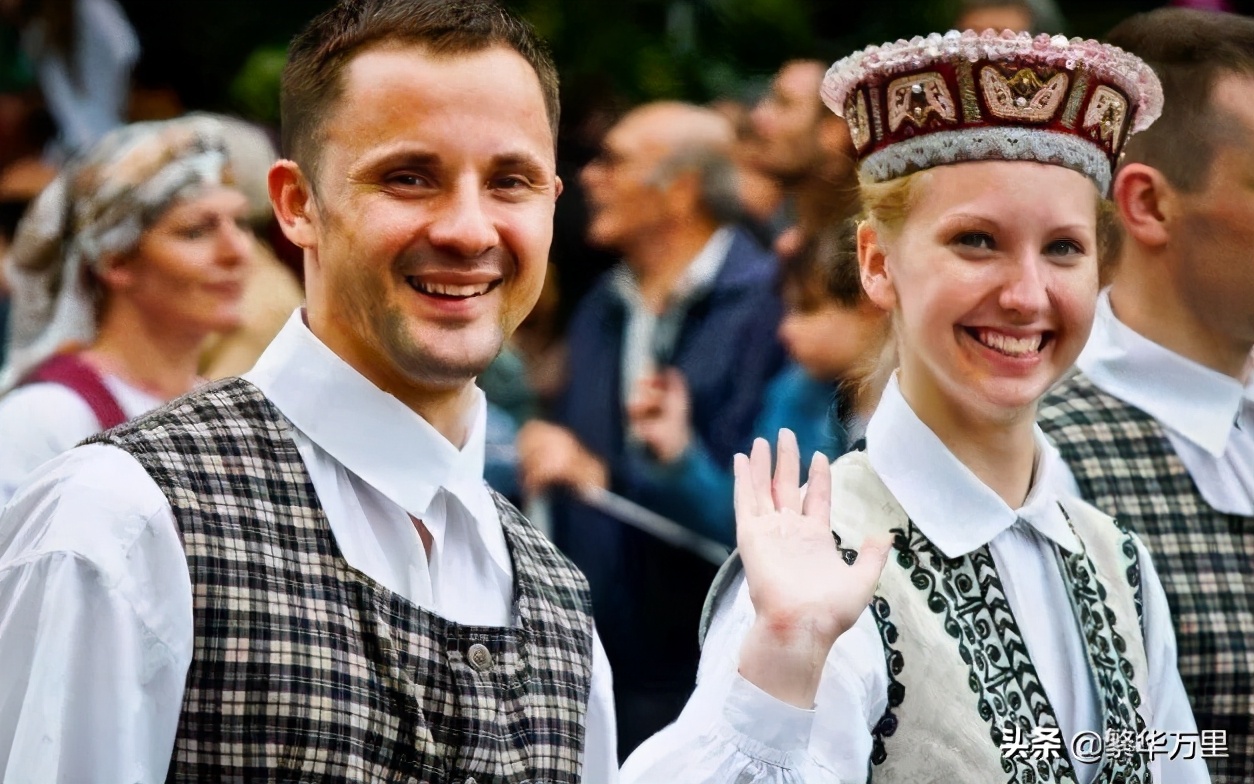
(885, 207)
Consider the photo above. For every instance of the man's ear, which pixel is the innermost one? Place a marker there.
(294, 204)
(1146, 203)
(873, 268)
(558, 187)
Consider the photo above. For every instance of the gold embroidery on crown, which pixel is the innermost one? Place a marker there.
(1105, 116)
(856, 119)
(966, 89)
(1023, 97)
(918, 97)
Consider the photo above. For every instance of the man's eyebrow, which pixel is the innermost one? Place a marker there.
(520, 160)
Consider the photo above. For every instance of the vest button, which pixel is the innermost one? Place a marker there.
(481, 660)
(471, 780)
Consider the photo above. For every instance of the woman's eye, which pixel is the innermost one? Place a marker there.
(1064, 248)
(194, 232)
(976, 240)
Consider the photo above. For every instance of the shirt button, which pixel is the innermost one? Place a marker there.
(481, 660)
(471, 780)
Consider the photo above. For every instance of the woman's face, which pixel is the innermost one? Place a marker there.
(189, 268)
(993, 281)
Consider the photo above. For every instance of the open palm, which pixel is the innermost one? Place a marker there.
(799, 583)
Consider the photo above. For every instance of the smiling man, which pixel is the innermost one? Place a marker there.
(1157, 427)
(301, 574)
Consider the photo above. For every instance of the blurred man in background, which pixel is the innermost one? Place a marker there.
(1158, 427)
(808, 149)
(693, 298)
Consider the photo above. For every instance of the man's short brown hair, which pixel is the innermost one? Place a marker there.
(313, 78)
(1190, 51)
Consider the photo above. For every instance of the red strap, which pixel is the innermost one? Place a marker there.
(70, 371)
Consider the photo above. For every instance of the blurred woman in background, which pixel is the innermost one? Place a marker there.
(119, 271)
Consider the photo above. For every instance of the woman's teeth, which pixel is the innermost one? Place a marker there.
(1010, 346)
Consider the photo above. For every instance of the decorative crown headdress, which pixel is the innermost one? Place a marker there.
(943, 99)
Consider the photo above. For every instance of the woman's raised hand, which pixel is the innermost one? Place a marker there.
(804, 594)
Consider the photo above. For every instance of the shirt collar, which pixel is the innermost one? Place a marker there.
(374, 435)
(1198, 403)
(698, 277)
(955, 510)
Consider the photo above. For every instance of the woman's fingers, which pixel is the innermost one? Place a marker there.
(818, 500)
(786, 491)
(760, 475)
(743, 500)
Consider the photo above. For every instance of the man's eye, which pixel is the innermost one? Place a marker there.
(408, 180)
(976, 240)
(510, 183)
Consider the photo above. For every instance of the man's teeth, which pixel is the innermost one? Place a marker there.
(1011, 346)
(451, 290)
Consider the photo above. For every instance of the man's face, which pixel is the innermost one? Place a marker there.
(432, 212)
(625, 204)
(1215, 241)
(785, 123)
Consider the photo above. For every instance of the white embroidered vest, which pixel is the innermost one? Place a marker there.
(958, 667)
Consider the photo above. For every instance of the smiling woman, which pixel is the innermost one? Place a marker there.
(1009, 611)
(121, 269)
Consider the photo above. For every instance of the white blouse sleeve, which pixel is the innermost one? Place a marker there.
(1170, 704)
(732, 731)
(37, 423)
(95, 624)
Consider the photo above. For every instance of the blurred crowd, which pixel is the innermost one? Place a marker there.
(703, 291)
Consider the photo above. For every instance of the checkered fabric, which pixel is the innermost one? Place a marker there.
(1126, 466)
(304, 669)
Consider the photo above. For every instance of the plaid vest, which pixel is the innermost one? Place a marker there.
(304, 669)
(1125, 465)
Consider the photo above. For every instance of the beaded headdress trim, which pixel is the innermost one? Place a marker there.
(964, 96)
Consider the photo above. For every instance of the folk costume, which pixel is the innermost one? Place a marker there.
(241, 594)
(1167, 446)
(994, 631)
(98, 207)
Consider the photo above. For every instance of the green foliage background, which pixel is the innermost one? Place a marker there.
(225, 54)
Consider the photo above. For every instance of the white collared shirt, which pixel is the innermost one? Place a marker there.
(1208, 416)
(731, 728)
(95, 596)
(639, 335)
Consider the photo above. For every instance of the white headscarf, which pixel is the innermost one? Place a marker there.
(95, 209)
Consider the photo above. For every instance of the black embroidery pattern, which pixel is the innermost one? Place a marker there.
(968, 596)
(887, 724)
(1111, 668)
(1134, 572)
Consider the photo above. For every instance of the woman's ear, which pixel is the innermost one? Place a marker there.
(116, 271)
(873, 267)
(294, 203)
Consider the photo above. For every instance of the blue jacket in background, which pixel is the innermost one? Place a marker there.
(647, 596)
(700, 487)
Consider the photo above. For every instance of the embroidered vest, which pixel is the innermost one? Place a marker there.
(1125, 465)
(305, 669)
(959, 670)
